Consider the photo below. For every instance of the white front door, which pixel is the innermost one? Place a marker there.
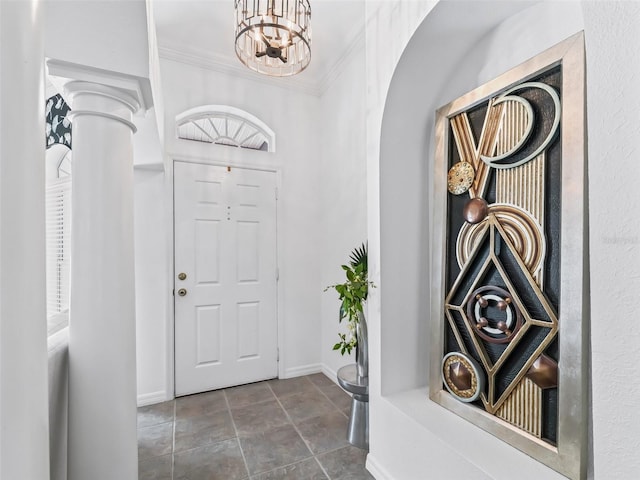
(225, 277)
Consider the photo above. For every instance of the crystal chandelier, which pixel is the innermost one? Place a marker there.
(274, 36)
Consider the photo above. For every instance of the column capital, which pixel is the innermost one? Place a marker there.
(113, 103)
(73, 79)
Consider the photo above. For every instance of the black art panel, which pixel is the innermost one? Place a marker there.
(502, 272)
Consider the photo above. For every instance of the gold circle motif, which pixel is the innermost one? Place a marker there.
(460, 178)
(522, 230)
(470, 392)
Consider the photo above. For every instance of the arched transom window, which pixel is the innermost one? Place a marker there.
(225, 125)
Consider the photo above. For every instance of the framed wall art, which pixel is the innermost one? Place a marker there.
(510, 260)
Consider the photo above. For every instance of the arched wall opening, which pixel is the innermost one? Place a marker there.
(448, 55)
(458, 47)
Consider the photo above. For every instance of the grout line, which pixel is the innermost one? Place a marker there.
(173, 438)
(326, 474)
(295, 427)
(295, 463)
(332, 402)
(233, 422)
(237, 436)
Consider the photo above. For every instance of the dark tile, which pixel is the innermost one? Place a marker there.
(345, 464)
(291, 386)
(340, 398)
(273, 448)
(156, 468)
(199, 431)
(326, 432)
(155, 414)
(321, 380)
(258, 417)
(219, 461)
(306, 405)
(305, 470)
(200, 404)
(155, 441)
(248, 394)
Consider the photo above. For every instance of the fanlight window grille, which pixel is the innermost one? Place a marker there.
(224, 125)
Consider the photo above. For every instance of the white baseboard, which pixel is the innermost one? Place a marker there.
(375, 469)
(303, 370)
(162, 396)
(153, 397)
(330, 373)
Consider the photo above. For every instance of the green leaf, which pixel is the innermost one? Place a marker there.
(359, 257)
(352, 294)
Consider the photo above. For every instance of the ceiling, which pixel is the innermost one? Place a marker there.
(202, 33)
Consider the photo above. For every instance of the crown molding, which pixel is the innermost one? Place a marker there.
(221, 64)
(339, 65)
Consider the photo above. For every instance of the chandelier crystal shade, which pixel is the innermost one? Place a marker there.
(273, 36)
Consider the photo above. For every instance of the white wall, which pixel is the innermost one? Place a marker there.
(147, 146)
(24, 419)
(115, 31)
(343, 191)
(154, 72)
(152, 289)
(411, 437)
(613, 69)
(293, 117)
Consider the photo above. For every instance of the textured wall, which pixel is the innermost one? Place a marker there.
(343, 192)
(410, 438)
(613, 71)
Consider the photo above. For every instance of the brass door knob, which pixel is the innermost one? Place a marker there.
(182, 276)
(182, 292)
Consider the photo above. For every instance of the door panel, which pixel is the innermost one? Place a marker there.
(225, 243)
(207, 244)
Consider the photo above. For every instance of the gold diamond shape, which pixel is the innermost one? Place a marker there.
(496, 231)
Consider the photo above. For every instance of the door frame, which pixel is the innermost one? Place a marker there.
(169, 204)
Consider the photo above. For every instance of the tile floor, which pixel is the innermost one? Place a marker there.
(279, 429)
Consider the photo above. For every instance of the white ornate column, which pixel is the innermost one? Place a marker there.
(24, 413)
(102, 348)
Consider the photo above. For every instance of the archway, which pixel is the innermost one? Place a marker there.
(458, 47)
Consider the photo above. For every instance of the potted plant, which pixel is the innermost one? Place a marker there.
(352, 295)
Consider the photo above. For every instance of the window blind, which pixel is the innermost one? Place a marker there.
(58, 230)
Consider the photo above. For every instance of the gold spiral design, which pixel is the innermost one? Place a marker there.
(522, 230)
